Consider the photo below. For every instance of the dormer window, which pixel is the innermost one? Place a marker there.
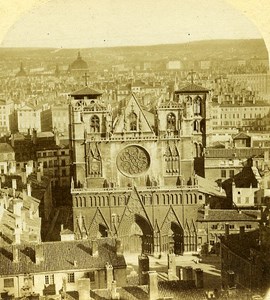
(95, 124)
(133, 122)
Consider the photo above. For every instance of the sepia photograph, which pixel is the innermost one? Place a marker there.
(134, 150)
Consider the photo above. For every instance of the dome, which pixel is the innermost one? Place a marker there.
(79, 64)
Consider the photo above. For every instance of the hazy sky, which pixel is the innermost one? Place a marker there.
(92, 23)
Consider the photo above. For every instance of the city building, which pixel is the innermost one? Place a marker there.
(19, 215)
(245, 259)
(212, 223)
(133, 170)
(55, 118)
(7, 159)
(6, 109)
(60, 268)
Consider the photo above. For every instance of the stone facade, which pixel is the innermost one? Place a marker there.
(134, 170)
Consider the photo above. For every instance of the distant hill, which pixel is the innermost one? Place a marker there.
(199, 50)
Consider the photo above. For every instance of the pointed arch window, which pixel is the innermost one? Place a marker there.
(133, 121)
(171, 122)
(95, 124)
(197, 106)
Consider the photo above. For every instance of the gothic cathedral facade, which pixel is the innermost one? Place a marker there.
(134, 170)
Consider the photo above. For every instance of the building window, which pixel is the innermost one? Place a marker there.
(238, 200)
(70, 277)
(95, 124)
(92, 276)
(44, 154)
(64, 172)
(49, 279)
(63, 153)
(248, 226)
(45, 164)
(50, 163)
(8, 282)
(171, 122)
(247, 199)
(55, 163)
(133, 122)
(231, 173)
(214, 227)
(223, 173)
(63, 163)
(231, 226)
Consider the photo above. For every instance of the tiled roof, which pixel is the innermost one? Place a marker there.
(60, 256)
(86, 91)
(241, 246)
(192, 87)
(228, 215)
(5, 148)
(210, 187)
(241, 135)
(234, 152)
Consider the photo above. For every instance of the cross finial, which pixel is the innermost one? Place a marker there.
(191, 73)
(85, 76)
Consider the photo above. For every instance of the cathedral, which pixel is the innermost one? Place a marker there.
(135, 171)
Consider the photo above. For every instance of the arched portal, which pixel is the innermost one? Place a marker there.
(177, 238)
(136, 235)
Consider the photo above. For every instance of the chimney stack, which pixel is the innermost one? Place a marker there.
(14, 184)
(84, 288)
(94, 248)
(171, 267)
(242, 232)
(109, 275)
(206, 211)
(15, 254)
(153, 285)
(143, 269)
(118, 246)
(29, 189)
(227, 230)
(17, 235)
(39, 254)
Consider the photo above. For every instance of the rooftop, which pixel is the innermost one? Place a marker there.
(54, 260)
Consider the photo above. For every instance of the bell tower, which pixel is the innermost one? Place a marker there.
(88, 125)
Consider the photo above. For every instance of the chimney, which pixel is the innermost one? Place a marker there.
(14, 184)
(94, 248)
(199, 278)
(109, 275)
(38, 176)
(29, 189)
(34, 136)
(242, 232)
(266, 156)
(24, 177)
(17, 235)
(118, 246)
(206, 211)
(84, 288)
(75, 263)
(15, 254)
(227, 230)
(171, 266)
(143, 269)
(17, 207)
(153, 285)
(114, 294)
(39, 254)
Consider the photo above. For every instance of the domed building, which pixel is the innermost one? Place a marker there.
(79, 65)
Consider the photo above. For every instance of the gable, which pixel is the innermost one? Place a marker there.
(133, 111)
